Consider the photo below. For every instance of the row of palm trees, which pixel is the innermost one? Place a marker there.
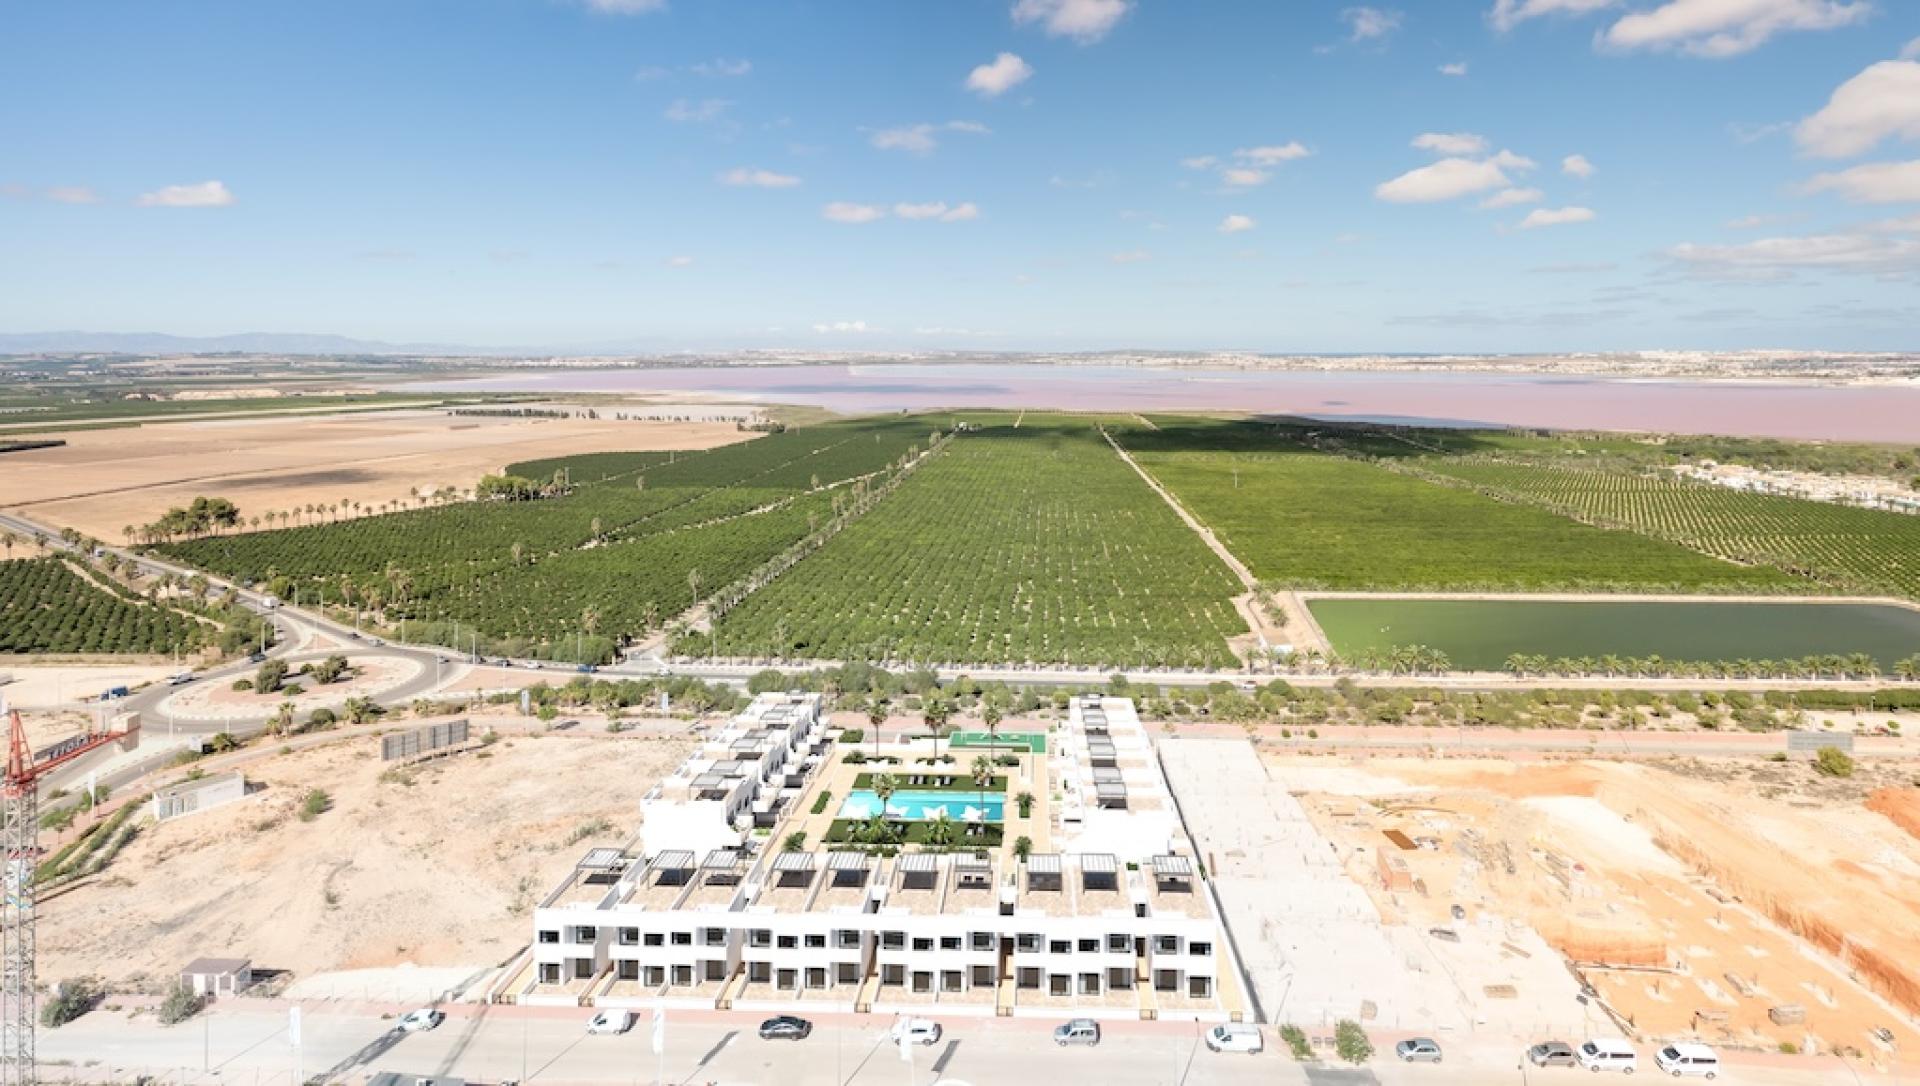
(319, 513)
(1852, 666)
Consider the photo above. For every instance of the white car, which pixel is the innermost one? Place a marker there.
(421, 1020)
(610, 1022)
(1689, 1060)
(918, 1031)
(1235, 1037)
(1608, 1054)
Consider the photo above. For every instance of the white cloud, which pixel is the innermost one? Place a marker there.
(1754, 132)
(1451, 143)
(691, 111)
(841, 326)
(72, 194)
(626, 7)
(1131, 256)
(1507, 160)
(1458, 67)
(679, 262)
(1368, 23)
(1751, 222)
(1558, 216)
(1882, 101)
(938, 209)
(1908, 225)
(722, 67)
(1272, 154)
(1200, 162)
(1778, 257)
(843, 212)
(1576, 166)
(1507, 14)
(758, 178)
(921, 139)
(1447, 179)
(1911, 51)
(1235, 224)
(1512, 198)
(966, 212)
(1085, 21)
(1873, 183)
(1243, 176)
(1725, 28)
(204, 194)
(999, 76)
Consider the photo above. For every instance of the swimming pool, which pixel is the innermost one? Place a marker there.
(916, 806)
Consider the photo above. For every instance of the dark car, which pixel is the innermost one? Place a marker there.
(256, 657)
(1552, 1054)
(785, 1028)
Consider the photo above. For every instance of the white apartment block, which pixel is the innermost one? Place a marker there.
(1125, 930)
(743, 776)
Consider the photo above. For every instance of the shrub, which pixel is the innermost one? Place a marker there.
(584, 830)
(1023, 846)
(1025, 802)
(1777, 756)
(293, 690)
(795, 841)
(314, 804)
(1833, 762)
(1350, 1041)
(71, 999)
(243, 684)
(853, 736)
(267, 679)
(854, 757)
(820, 801)
(320, 718)
(181, 1004)
(1788, 1048)
(1296, 1039)
(222, 742)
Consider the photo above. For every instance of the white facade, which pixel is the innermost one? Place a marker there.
(739, 778)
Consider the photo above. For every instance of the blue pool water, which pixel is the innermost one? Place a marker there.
(911, 806)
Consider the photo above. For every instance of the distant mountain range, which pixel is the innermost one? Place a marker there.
(243, 343)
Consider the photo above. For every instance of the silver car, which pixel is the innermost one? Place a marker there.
(1418, 1050)
(1080, 1031)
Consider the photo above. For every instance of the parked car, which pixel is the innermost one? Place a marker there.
(785, 1028)
(1235, 1037)
(256, 657)
(1552, 1054)
(1687, 1060)
(566, 725)
(421, 1020)
(1418, 1050)
(610, 1022)
(181, 679)
(918, 1031)
(1080, 1031)
(1608, 1054)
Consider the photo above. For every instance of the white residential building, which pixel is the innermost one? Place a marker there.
(741, 777)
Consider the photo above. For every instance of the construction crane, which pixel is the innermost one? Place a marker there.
(20, 800)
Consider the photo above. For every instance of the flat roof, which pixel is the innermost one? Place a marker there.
(1043, 863)
(1110, 790)
(971, 862)
(216, 966)
(1106, 773)
(1098, 863)
(710, 780)
(1172, 867)
(788, 862)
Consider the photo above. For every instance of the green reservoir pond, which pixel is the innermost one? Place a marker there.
(1479, 635)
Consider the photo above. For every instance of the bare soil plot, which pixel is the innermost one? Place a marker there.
(437, 866)
(103, 480)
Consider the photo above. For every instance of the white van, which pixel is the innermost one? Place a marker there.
(1687, 1059)
(1235, 1037)
(1609, 1054)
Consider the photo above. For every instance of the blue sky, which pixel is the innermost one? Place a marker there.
(985, 174)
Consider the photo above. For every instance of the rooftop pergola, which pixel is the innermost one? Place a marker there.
(671, 867)
(918, 870)
(1043, 871)
(722, 866)
(848, 868)
(1099, 870)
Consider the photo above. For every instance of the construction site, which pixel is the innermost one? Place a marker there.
(1749, 905)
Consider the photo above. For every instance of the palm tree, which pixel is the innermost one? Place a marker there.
(1908, 669)
(876, 717)
(935, 712)
(884, 786)
(941, 832)
(982, 776)
(1863, 666)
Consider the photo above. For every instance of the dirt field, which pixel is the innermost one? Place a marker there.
(103, 480)
(1696, 895)
(439, 871)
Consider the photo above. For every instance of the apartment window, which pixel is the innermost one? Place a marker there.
(682, 975)
(1060, 946)
(1119, 944)
(550, 971)
(816, 942)
(549, 936)
(982, 940)
(682, 938)
(1029, 942)
(893, 940)
(584, 935)
(1059, 984)
(655, 938)
(1166, 944)
(922, 942)
(1200, 987)
(760, 937)
(1089, 946)
(716, 936)
(949, 942)
(846, 938)
(1200, 950)
(951, 981)
(629, 936)
(846, 973)
(789, 942)
(816, 977)
(1089, 984)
